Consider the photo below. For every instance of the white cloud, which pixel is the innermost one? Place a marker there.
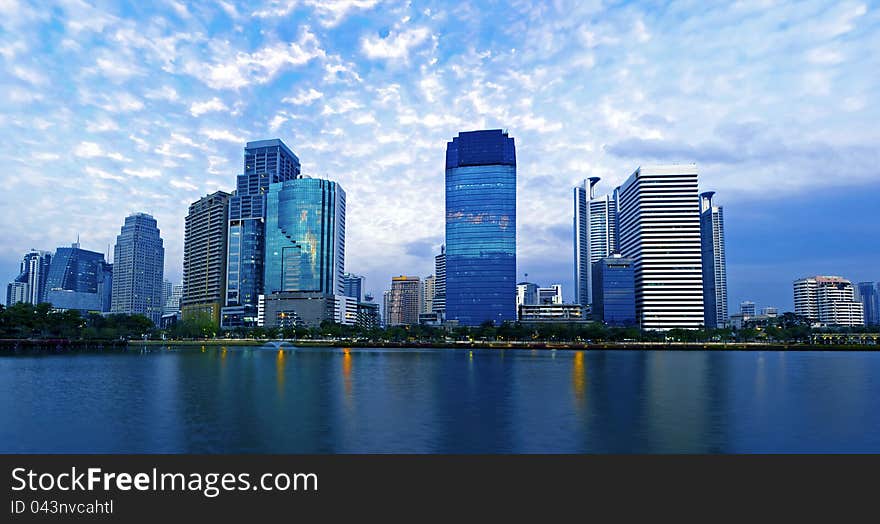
(395, 46)
(100, 173)
(101, 125)
(95, 150)
(330, 12)
(30, 75)
(166, 93)
(45, 157)
(223, 135)
(200, 108)
(182, 184)
(303, 97)
(339, 106)
(824, 56)
(143, 172)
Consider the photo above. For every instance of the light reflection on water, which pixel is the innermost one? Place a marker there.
(219, 400)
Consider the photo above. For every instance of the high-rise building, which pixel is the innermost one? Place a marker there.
(80, 280)
(549, 295)
(829, 300)
(439, 301)
(659, 229)
(526, 294)
(614, 295)
(869, 296)
(204, 258)
(595, 235)
(305, 251)
(480, 228)
(429, 288)
(167, 288)
(769, 311)
(138, 266)
(714, 262)
(404, 301)
(265, 162)
(353, 286)
(30, 284)
(747, 308)
(386, 307)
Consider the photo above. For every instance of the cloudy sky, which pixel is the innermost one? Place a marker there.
(109, 108)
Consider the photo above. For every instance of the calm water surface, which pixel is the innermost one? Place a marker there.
(310, 400)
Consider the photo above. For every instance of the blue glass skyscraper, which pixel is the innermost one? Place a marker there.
(79, 279)
(481, 228)
(305, 237)
(138, 267)
(265, 162)
(614, 291)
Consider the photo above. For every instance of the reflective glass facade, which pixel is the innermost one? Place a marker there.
(614, 291)
(265, 162)
(305, 237)
(138, 265)
(481, 228)
(79, 279)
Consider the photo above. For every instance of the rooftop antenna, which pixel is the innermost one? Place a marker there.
(593, 181)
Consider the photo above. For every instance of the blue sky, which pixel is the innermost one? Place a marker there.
(111, 108)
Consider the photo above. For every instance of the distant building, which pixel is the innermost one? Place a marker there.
(346, 310)
(526, 294)
(30, 285)
(266, 162)
(368, 315)
(429, 288)
(167, 288)
(869, 296)
(138, 266)
(714, 262)
(204, 258)
(298, 309)
(353, 286)
(550, 295)
(79, 280)
(539, 313)
(480, 228)
(595, 235)
(747, 308)
(386, 307)
(828, 300)
(172, 304)
(614, 299)
(404, 301)
(769, 311)
(658, 213)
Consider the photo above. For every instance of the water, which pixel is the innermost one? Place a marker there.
(310, 400)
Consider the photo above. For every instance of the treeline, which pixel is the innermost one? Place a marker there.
(40, 321)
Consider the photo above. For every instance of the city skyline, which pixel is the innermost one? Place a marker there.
(165, 132)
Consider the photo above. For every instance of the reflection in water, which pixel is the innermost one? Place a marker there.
(224, 400)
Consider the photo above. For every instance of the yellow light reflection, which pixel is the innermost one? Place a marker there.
(279, 371)
(346, 373)
(579, 377)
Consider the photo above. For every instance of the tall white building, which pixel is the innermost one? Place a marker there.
(438, 302)
(828, 299)
(594, 235)
(659, 228)
(429, 288)
(714, 262)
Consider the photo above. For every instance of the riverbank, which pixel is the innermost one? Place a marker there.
(695, 346)
(60, 345)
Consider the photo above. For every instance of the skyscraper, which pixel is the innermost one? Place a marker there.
(614, 299)
(167, 288)
(30, 284)
(305, 253)
(480, 228)
(869, 295)
(659, 228)
(204, 257)
(595, 235)
(439, 302)
(80, 280)
(714, 262)
(172, 303)
(138, 266)
(404, 301)
(265, 162)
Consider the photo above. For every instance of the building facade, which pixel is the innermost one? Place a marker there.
(829, 300)
(714, 262)
(659, 229)
(204, 257)
(549, 313)
(526, 294)
(30, 284)
(138, 266)
(429, 287)
(265, 162)
(480, 228)
(747, 308)
(80, 280)
(551, 294)
(869, 296)
(404, 303)
(353, 286)
(439, 302)
(595, 235)
(614, 291)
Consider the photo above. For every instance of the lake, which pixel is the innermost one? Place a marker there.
(336, 400)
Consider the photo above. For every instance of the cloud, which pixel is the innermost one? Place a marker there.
(222, 135)
(166, 93)
(394, 46)
(303, 97)
(143, 172)
(101, 125)
(200, 108)
(95, 150)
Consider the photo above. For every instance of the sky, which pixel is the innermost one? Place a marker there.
(110, 108)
